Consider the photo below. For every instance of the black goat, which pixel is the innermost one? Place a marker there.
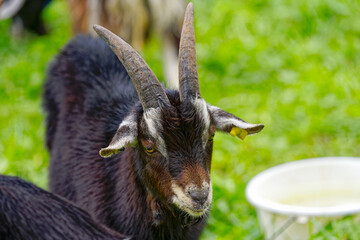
(28, 212)
(158, 186)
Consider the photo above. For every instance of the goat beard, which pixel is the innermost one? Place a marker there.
(158, 214)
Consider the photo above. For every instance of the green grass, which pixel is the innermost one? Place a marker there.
(23, 64)
(292, 65)
(346, 228)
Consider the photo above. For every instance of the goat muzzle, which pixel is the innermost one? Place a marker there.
(193, 199)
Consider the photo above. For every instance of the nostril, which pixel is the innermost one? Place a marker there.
(199, 196)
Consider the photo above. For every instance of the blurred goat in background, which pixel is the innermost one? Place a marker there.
(133, 20)
(25, 14)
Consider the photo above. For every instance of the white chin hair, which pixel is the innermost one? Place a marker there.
(186, 209)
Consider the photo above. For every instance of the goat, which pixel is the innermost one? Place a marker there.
(25, 14)
(155, 182)
(133, 21)
(28, 212)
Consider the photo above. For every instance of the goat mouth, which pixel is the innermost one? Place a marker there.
(193, 210)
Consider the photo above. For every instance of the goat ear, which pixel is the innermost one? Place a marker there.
(226, 122)
(125, 136)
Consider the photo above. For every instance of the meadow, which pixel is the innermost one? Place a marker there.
(292, 65)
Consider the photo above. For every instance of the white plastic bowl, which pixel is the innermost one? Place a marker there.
(286, 196)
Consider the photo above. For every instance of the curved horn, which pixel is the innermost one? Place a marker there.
(149, 89)
(188, 75)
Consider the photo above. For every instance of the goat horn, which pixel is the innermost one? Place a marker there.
(149, 89)
(188, 74)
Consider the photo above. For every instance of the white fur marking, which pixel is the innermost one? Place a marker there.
(201, 108)
(153, 122)
(121, 143)
(129, 121)
(222, 122)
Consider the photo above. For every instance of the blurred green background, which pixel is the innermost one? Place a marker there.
(292, 65)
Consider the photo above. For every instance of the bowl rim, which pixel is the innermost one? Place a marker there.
(290, 210)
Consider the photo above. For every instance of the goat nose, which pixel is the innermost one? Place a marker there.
(199, 195)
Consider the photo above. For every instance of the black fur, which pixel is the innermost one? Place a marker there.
(28, 212)
(86, 96)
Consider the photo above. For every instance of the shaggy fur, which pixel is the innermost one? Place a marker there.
(28, 212)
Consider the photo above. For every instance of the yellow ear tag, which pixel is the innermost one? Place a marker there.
(235, 131)
(241, 133)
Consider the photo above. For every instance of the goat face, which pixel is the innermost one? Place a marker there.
(177, 148)
(173, 132)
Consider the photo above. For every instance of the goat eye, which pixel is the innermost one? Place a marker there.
(150, 149)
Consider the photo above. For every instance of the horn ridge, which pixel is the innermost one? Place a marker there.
(188, 74)
(150, 91)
